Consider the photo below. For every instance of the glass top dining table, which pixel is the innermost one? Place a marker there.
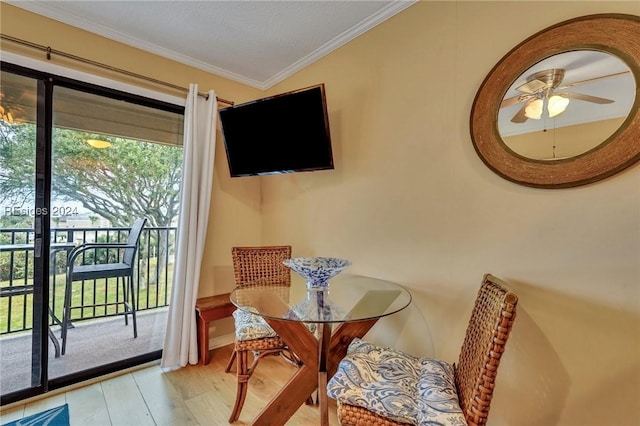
(348, 298)
(347, 309)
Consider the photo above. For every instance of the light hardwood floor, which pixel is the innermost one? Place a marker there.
(194, 395)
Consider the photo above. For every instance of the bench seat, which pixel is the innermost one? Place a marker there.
(210, 309)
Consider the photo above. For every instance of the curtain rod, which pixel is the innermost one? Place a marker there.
(51, 51)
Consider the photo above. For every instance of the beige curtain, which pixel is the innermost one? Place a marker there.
(180, 343)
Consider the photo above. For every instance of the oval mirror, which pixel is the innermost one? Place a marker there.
(561, 109)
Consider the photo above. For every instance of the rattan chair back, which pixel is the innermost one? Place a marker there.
(258, 266)
(261, 265)
(489, 327)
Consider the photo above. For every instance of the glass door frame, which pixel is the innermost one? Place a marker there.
(42, 187)
(40, 382)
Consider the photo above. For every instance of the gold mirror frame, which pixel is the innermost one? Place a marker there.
(617, 34)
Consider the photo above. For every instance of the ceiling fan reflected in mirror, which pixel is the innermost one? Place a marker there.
(543, 92)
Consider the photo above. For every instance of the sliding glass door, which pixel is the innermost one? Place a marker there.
(21, 280)
(84, 163)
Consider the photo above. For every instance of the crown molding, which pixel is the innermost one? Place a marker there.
(49, 10)
(339, 41)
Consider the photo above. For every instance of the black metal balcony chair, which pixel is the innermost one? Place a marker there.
(122, 268)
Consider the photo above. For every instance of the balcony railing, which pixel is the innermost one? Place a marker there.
(154, 272)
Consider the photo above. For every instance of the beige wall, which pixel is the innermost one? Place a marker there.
(410, 201)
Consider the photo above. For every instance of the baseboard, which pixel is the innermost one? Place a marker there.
(220, 341)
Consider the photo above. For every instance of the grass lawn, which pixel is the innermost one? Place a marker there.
(17, 310)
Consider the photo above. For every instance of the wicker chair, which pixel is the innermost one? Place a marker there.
(251, 264)
(474, 376)
(123, 267)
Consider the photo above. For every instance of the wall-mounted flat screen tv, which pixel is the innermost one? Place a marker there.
(284, 133)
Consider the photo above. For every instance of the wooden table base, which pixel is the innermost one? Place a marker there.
(320, 358)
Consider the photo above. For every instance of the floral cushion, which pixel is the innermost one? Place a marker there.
(401, 387)
(250, 326)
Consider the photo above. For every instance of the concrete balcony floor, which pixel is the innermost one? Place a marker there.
(89, 344)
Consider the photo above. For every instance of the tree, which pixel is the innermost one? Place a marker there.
(17, 164)
(127, 180)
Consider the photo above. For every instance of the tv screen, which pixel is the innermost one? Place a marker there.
(285, 133)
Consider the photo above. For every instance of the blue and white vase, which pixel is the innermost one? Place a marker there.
(317, 270)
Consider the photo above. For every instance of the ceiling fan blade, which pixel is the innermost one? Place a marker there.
(515, 100)
(519, 117)
(587, 98)
(532, 86)
(590, 80)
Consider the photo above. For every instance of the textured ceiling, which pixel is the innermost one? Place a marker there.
(258, 43)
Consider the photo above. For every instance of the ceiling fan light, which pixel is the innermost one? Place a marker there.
(99, 144)
(6, 115)
(534, 109)
(556, 105)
